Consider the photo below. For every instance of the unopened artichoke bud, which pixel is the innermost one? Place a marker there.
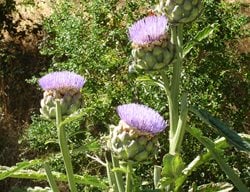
(182, 11)
(135, 137)
(149, 42)
(63, 87)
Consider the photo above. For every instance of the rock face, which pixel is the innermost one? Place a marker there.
(20, 34)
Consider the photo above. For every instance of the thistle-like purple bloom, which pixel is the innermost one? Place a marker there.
(142, 117)
(61, 80)
(148, 29)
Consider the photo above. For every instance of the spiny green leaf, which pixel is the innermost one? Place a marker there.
(8, 171)
(172, 166)
(204, 33)
(75, 116)
(39, 175)
(231, 136)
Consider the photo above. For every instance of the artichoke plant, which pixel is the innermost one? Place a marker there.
(135, 137)
(63, 86)
(151, 47)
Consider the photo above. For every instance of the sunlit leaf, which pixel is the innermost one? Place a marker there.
(204, 33)
(8, 171)
(172, 169)
(232, 137)
(73, 117)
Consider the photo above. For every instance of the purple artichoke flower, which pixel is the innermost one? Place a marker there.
(142, 118)
(61, 80)
(148, 30)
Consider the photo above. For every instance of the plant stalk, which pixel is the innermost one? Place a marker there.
(110, 174)
(50, 178)
(129, 177)
(118, 175)
(173, 97)
(64, 148)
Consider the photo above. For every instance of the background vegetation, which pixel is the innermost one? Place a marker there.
(90, 38)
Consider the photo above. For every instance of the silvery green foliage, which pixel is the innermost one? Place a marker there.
(182, 11)
(128, 143)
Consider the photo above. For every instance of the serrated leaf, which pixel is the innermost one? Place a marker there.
(172, 166)
(40, 175)
(211, 187)
(204, 33)
(231, 136)
(73, 117)
(8, 171)
(215, 152)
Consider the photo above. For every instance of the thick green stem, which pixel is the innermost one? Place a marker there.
(129, 176)
(173, 97)
(50, 178)
(179, 134)
(118, 175)
(110, 174)
(174, 88)
(64, 148)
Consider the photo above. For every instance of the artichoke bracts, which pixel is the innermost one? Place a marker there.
(152, 49)
(135, 138)
(182, 11)
(69, 103)
(63, 86)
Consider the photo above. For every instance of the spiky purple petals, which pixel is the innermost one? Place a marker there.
(61, 80)
(142, 118)
(148, 29)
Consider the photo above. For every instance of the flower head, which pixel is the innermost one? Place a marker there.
(148, 30)
(142, 118)
(61, 80)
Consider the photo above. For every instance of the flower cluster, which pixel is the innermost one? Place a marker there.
(63, 86)
(142, 118)
(152, 49)
(61, 80)
(148, 30)
(134, 138)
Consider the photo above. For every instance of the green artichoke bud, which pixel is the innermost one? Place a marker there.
(128, 143)
(182, 11)
(154, 57)
(63, 86)
(69, 103)
(150, 42)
